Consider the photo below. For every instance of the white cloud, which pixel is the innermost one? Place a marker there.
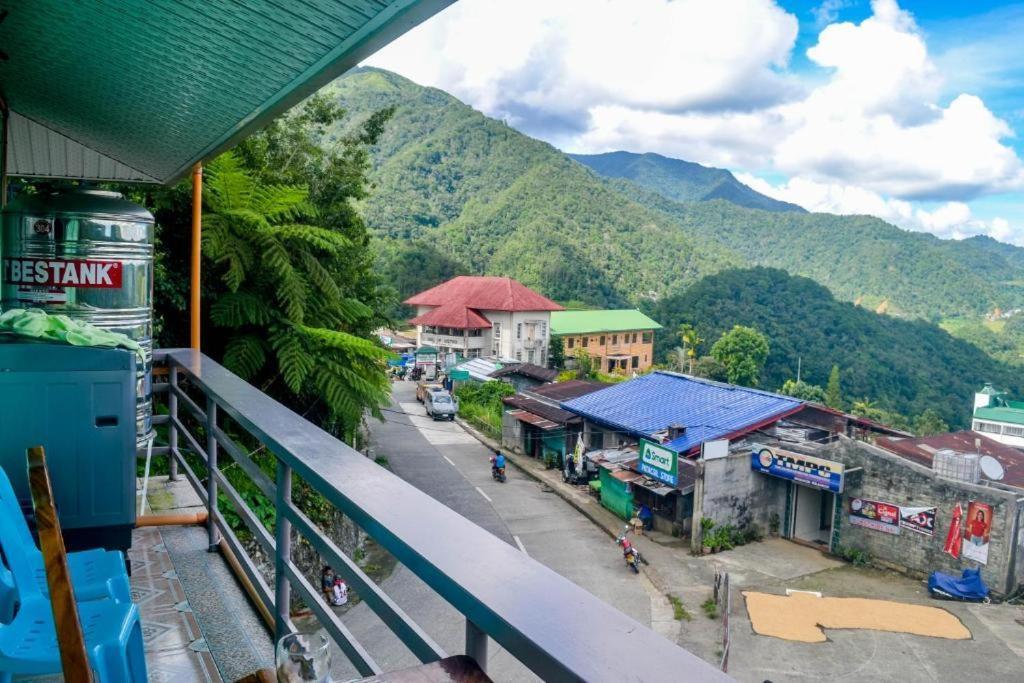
(953, 220)
(553, 58)
(709, 82)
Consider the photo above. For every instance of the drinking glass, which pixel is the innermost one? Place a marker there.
(304, 657)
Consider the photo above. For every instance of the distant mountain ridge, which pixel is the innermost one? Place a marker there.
(681, 181)
(458, 192)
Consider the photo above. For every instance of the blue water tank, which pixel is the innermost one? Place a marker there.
(79, 404)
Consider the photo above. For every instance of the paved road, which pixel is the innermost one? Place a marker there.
(442, 460)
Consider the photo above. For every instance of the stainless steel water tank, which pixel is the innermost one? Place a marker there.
(88, 254)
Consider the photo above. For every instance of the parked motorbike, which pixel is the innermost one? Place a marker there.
(498, 473)
(632, 560)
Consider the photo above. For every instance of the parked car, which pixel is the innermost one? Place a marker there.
(441, 405)
(424, 388)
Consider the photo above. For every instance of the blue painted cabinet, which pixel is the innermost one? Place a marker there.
(79, 404)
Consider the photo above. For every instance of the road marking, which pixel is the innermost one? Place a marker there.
(481, 492)
(449, 461)
(521, 546)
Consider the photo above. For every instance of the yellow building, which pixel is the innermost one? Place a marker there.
(620, 340)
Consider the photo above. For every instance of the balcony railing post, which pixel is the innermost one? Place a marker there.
(476, 644)
(283, 555)
(172, 435)
(211, 481)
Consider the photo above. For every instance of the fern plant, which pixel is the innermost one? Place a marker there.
(284, 315)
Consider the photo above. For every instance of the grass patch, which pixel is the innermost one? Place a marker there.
(678, 611)
(382, 460)
(710, 608)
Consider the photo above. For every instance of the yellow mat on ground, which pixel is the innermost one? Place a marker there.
(802, 616)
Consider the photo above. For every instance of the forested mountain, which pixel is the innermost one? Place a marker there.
(466, 193)
(469, 194)
(906, 366)
(681, 181)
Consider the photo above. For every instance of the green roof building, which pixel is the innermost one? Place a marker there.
(618, 340)
(998, 417)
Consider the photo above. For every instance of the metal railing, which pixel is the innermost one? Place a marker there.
(551, 625)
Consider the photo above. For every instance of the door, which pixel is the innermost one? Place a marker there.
(812, 515)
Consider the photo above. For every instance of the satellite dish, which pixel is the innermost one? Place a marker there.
(991, 468)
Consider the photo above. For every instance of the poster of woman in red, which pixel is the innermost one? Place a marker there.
(977, 526)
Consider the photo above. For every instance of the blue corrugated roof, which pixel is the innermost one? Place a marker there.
(709, 410)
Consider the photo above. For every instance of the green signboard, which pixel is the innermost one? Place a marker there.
(659, 462)
(459, 375)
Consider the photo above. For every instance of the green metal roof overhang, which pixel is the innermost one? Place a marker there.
(140, 90)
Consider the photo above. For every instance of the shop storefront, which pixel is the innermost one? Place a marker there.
(812, 485)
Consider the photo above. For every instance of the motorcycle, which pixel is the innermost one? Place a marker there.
(498, 473)
(632, 560)
(630, 554)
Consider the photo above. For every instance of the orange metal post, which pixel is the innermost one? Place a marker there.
(197, 238)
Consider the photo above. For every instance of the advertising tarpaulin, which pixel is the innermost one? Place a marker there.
(798, 467)
(659, 463)
(952, 545)
(977, 527)
(873, 514)
(917, 519)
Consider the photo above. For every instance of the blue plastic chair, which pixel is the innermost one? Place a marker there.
(28, 644)
(96, 574)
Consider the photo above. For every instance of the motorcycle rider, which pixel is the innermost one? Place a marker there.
(497, 462)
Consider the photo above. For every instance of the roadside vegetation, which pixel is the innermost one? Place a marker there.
(480, 405)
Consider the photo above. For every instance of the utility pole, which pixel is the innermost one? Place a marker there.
(799, 361)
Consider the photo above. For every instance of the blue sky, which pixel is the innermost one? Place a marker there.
(911, 111)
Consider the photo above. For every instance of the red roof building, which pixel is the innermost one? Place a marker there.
(484, 316)
(484, 294)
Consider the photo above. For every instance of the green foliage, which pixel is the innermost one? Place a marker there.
(903, 366)
(743, 351)
(584, 365)
(480, 404)
(709, 367)
(290, 292)
(710, 608)
(855, 556)
(833, 391)
(929, 422)
(678, 610)
(556, 357)
(803, 391)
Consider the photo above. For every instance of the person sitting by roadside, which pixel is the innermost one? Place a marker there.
(327, 583)
(339, 592)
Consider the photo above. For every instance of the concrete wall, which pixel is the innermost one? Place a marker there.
(891, 479)
(512, 431)
(735, 494)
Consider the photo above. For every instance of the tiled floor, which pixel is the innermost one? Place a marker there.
(196, 622)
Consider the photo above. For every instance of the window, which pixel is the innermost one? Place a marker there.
(476, 333)
(569, 342)
(636, 361)
(647, 337)
(519, 330)
(519, 355)
(634, 337)
(544, 357)
(645, 357)
(595, 438)
(584, 341)
(529, 356)
(1013, 431)
(473, 353)
(988, 427)
(497, 330)
(602, 340)
(615, 339)
(543, 329)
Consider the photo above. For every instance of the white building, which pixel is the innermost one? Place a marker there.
(484, 316)
(998, 417)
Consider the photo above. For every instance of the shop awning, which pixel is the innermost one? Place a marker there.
(535, 420)
(136, 90)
